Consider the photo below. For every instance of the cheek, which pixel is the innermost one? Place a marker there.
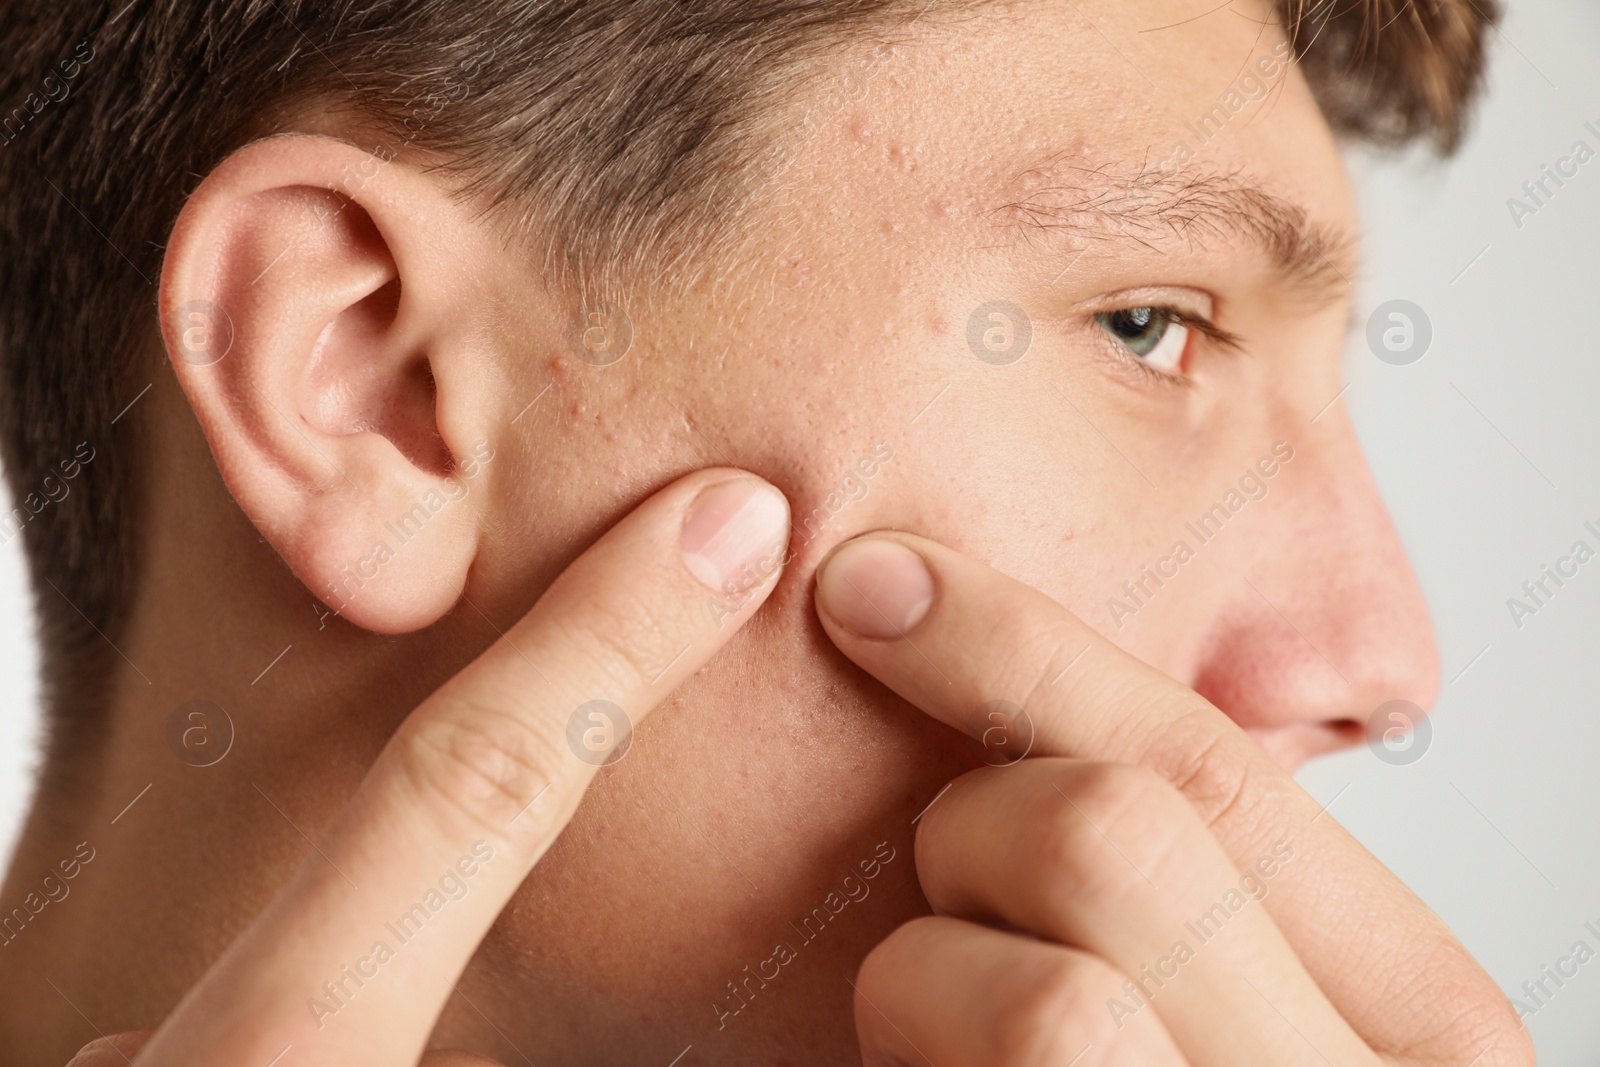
(749, 807)
(989, 460)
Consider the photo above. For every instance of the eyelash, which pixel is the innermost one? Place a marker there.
(1201, 325)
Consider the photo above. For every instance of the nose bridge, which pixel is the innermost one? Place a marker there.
(1331, 623)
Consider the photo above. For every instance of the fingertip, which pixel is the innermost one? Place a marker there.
(456, 1058)
(117, 1049)
(875, 587)
(735, 532)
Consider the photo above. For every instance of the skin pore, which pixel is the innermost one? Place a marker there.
(1012, 156)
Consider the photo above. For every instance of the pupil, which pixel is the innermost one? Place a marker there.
(1133, 322)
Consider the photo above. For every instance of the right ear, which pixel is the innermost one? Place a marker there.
(326, 313)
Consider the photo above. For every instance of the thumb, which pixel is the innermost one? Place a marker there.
(117, 1050)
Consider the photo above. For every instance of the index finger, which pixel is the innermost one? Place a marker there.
(355, 959)
(954, 637)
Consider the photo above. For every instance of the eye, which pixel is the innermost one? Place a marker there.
(1157, 336)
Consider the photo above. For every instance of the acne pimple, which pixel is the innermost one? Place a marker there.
(794, 273)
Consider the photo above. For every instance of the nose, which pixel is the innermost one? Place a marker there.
(1330, 625)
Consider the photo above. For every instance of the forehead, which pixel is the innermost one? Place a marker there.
(998, 114)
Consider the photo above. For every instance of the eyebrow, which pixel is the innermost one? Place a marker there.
(1152, 206)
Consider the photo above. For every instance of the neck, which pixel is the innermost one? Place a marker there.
(236, 721)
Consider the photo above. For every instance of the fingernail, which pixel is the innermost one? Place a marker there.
(735, 533)
(877, 588)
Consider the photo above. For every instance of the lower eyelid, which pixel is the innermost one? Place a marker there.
(1127, 364)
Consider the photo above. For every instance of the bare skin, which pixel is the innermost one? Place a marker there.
(1142, 832)
(832, 340)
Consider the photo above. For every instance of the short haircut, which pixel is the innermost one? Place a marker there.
(620, 129)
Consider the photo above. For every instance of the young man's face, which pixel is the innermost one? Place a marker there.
(923, 334)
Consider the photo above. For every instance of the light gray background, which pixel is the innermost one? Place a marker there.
(1488, 450)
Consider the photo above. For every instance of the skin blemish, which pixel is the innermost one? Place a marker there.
(794, 273)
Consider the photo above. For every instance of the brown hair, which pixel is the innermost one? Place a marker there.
(614, 126)
(1393, 70)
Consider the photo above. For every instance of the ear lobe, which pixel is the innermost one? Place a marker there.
(309, 302)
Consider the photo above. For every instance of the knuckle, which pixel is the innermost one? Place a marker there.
(1210, 768)
(479, 763)
(1460, 1015)
(1497, 1034)
(1038, 651)
(1486, 1032)
(1059, 1008)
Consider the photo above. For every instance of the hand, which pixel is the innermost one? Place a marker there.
(1148, 887)
(470, 792)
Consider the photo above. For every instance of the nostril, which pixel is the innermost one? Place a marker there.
(1347, 732)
